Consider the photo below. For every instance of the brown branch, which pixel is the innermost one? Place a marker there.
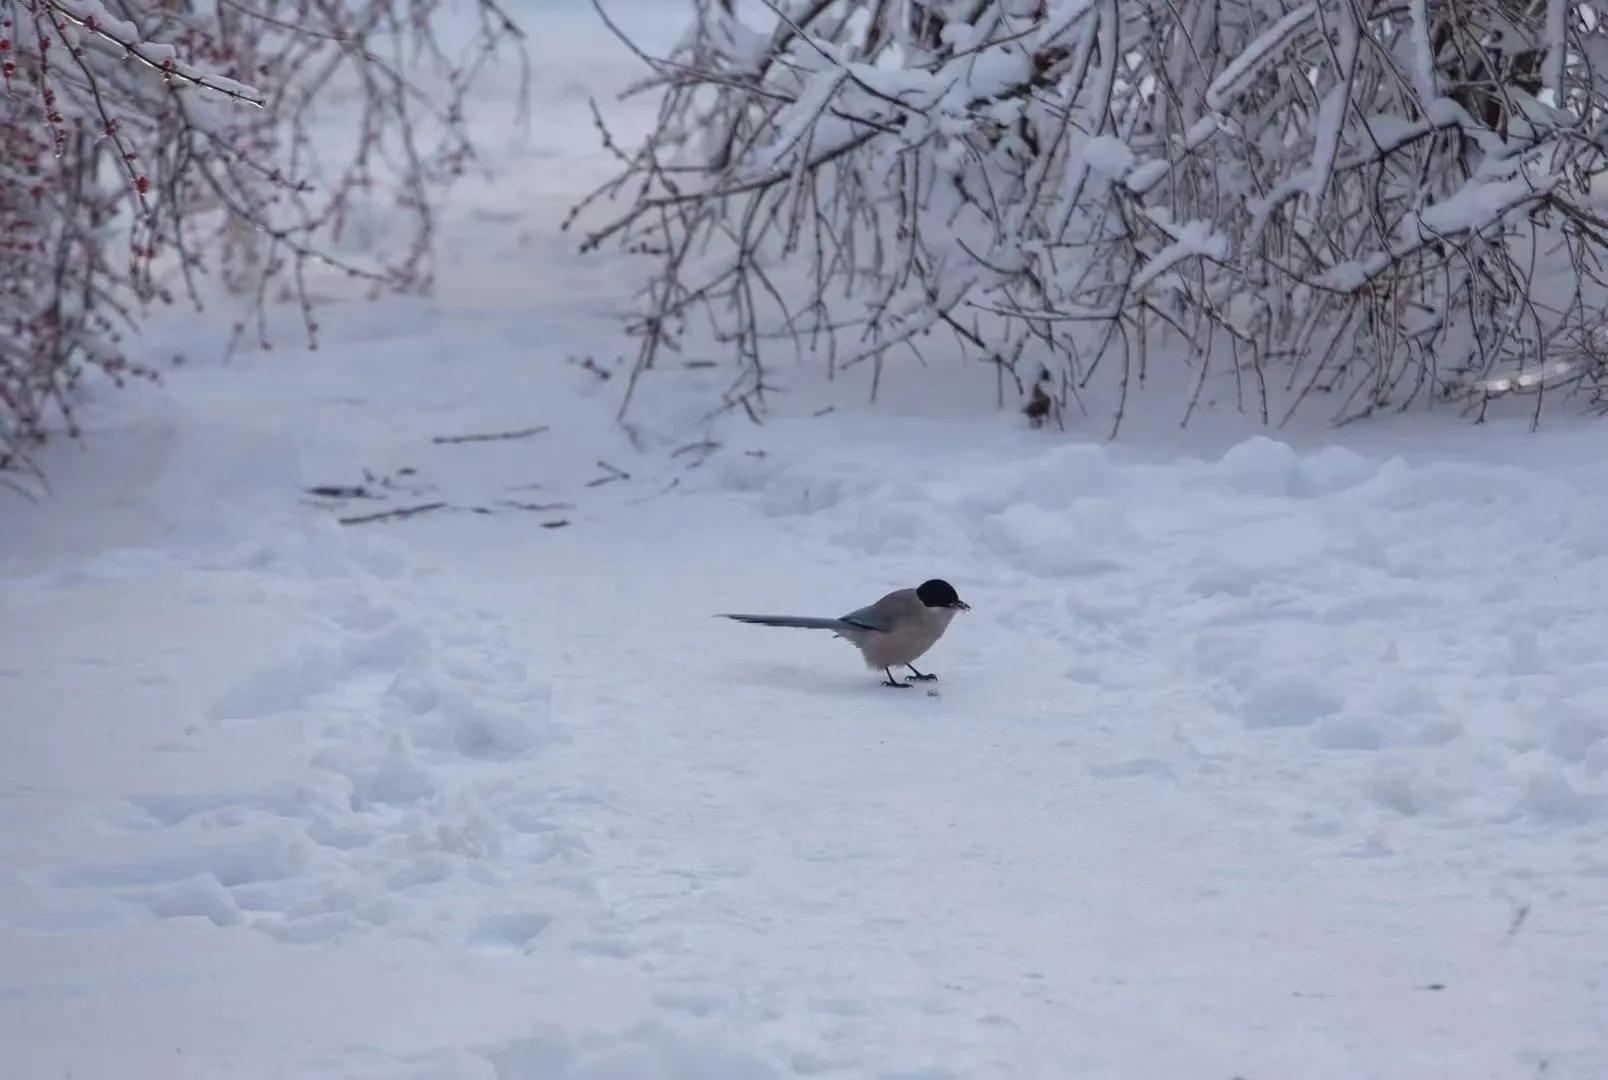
(494, 436)
(393, 515)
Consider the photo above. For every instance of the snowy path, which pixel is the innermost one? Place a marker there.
(1285, 807)
(1252, 760)
(1256, 766)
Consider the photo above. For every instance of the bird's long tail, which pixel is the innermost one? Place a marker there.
(789, 620)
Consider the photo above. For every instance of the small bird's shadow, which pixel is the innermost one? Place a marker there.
(814, 682)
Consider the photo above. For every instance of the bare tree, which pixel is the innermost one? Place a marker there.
(1382, 203)
(143, 146)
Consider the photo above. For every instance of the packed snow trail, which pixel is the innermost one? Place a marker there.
(1253, 758)
(1254, 765)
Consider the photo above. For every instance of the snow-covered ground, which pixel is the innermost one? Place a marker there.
(1255, 758)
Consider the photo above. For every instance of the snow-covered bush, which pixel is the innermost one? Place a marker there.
(1381, 203)
(143, 146)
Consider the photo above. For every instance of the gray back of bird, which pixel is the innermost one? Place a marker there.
(895, 630)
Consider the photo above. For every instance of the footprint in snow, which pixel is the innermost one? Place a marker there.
(513, 931)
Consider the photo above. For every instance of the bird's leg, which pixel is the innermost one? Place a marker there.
(895, 682)
(918, 676)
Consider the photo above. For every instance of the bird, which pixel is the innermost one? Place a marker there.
(893, 632)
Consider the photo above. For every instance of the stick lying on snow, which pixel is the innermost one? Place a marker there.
(384, 515)
(492, 436)
(425, 508)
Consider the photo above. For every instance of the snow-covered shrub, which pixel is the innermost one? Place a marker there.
(144, 145)
(1381, 203)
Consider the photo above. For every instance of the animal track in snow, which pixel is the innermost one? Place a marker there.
(514, 930)
(414, 718)
(264, 857)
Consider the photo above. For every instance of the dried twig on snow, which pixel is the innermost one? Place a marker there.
(494, 436)
(393, 515)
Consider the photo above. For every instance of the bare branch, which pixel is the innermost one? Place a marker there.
(1373, 197)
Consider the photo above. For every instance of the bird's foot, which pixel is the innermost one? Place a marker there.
(923, 678)
(897, 685)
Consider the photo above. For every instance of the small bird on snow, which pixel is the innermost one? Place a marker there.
(893, 632)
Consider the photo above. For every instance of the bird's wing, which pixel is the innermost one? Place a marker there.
(883, 615)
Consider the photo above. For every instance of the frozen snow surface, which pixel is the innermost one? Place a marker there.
(1262, 758)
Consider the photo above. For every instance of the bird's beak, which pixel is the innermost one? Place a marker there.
(961, 605)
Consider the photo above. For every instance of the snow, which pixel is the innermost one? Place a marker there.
(1423, 54)
(1326, 143)
(1478, 204)
(1145, 175)
(1108, 156)
(1192, 239)
(798, 119)
(1148, 175)
(1557, 49)
(1260, 52)
(1256, 756)
(93, 15)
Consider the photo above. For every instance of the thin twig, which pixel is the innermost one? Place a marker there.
(393, 515)
(493, 436)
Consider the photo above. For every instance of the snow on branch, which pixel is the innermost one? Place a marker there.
(1262, 52)
(1376, 204)
(94, 18)
(147, 148)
